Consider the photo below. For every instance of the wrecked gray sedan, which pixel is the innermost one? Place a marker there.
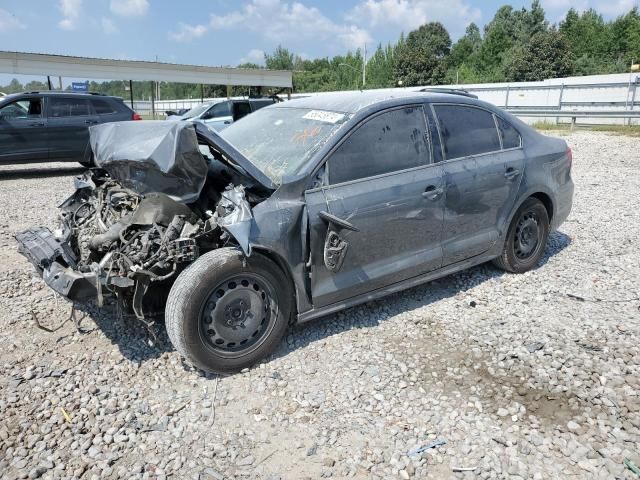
(298, 211)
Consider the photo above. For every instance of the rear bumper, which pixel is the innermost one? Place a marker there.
(54, 260)
(563, 204)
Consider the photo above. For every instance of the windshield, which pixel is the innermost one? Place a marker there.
(279, 140)
(195, 111)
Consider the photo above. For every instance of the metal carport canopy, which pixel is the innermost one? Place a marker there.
(83, 67)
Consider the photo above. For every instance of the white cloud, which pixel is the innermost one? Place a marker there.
(187, 33)
(410, 14)
(615, 8)
(609, 8)
(255, 55)
(130, 8)
(9, 22)
(70, 12)
(280, 21)
(108, 26)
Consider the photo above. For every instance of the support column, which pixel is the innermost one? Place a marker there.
(131, 93)
(153, 99)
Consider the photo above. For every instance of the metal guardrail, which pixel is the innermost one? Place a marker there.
(575, 114)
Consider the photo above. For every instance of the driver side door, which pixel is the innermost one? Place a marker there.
(378, 218)
(23, 131)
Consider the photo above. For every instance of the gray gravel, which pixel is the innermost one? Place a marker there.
(523, 376)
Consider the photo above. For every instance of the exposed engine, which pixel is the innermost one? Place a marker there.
(157, 203)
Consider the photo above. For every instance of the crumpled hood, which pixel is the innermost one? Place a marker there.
(151, 156)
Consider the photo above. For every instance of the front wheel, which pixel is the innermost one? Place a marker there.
(225, 312)
(526, 238)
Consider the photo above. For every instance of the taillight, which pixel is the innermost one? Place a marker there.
(136, 116)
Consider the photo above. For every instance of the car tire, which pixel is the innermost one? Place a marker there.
(225, 311)
(526, 238)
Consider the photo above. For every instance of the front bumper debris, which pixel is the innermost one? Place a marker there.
(55, 261)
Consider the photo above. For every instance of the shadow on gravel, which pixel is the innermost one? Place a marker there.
(133, 339)
(372, 313)
(37, 172)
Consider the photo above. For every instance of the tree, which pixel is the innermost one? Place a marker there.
(380, 67)
(280, 59)
(546, 55)
(422, 58)
(466, 46)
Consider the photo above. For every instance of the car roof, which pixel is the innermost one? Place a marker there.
(353, 102)
(60, 92)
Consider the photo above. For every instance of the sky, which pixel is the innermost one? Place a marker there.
(229, 32)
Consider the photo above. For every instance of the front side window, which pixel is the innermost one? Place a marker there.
(21, 109)
(68, 107)
(466, 130)
(389, 142)
(220, 110)
(510, 136)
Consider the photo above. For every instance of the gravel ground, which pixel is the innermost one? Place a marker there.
(523, 376)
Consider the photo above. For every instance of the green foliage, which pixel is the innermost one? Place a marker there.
(546, 55)
(422, 60)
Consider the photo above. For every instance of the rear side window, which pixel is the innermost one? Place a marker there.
(241, 109)
(68, 107)
(392, 141)
(102, 107)
(510, 136)
(258, 104)
(466, 130)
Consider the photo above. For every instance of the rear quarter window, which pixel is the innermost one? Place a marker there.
(510, 136)
(103, 107)
(466, 130)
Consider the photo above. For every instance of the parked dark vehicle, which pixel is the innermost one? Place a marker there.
(53, 125)
(300, 210)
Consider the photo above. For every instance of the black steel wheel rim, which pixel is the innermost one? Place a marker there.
(527, 235)
(238, 314)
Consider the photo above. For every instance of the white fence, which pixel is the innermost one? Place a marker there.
(596, 93)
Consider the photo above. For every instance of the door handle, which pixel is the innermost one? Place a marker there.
(337, 221)
(91, 122)
(432, 192)
(36, 124)
(511, 173)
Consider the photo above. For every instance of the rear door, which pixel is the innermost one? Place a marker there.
(23, 130)
(69, 120)
(378, 218)
(479, 184)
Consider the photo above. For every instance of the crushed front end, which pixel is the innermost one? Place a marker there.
(153, 205)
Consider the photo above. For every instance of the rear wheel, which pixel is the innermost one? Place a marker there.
(526, 238)
(225, 312)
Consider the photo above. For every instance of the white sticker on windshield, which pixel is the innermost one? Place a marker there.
(324, 116)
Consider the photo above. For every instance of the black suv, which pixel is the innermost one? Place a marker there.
(53, 125)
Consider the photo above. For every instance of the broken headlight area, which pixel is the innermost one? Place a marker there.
(154, 204)
(113, 241)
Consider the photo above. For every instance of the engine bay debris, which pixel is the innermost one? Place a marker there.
(151, 207)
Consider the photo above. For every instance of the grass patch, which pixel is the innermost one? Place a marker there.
(628, 130)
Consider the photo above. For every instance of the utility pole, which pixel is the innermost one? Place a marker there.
(364, 66)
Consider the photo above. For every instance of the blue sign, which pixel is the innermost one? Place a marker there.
(80, 86)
